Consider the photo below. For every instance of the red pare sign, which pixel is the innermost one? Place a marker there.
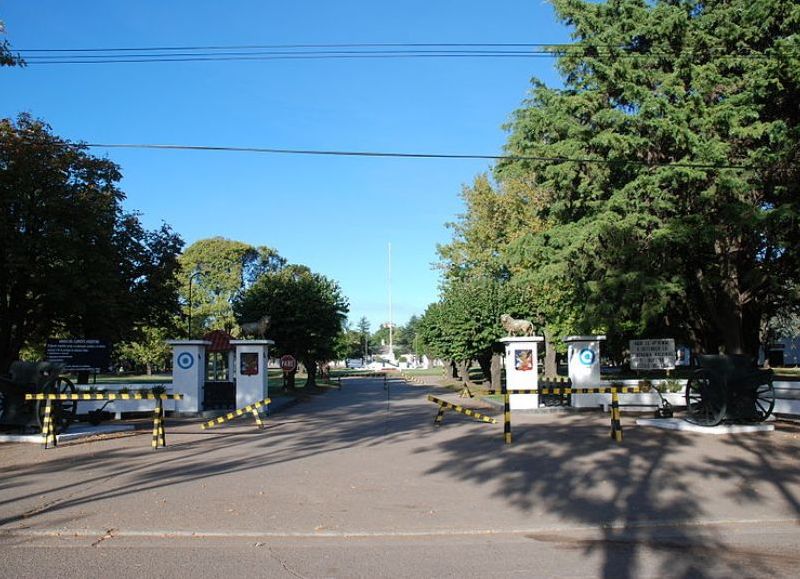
(288, 363)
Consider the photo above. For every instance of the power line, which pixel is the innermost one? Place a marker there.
(385, 154)
(212, 53)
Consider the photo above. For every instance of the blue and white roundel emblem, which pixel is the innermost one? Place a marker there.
(185, 360)
(586, 356)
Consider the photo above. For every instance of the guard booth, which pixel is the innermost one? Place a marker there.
(219, 386)
(219, 373)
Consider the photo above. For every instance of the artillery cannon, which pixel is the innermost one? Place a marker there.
(35, 378)
(728, 388)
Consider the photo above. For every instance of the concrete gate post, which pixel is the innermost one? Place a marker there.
(188, 373)
(583, 362)
(521, 361)
(250, 370)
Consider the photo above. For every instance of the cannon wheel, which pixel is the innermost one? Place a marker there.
(705, 398)
(64, 411)
(765, 401)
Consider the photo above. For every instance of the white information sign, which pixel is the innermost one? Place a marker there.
(653, 354)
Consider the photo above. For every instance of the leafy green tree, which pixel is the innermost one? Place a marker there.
(149, 349)
(72, 262)
(221, 269)
(689, 224)
(7, 57)
(465, 324)
(484, 244)
(307, 313)
(363, 330)
(349, 345)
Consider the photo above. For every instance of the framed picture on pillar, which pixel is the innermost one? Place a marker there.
(248, 363)
(523, 360)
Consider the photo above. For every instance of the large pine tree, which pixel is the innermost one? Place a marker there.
(677, 212)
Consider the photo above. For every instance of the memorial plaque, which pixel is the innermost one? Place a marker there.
(79, 355)
(653, 354)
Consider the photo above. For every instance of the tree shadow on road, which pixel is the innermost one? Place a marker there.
(654, 492)
(651, 494)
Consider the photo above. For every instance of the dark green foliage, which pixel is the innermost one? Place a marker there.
(692, 229)
(72, 263)
(224, 268)
(7, 57)
(307, 312)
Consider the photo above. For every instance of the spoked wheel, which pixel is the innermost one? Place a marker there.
(765, 401)
(705, 398)
(63, 411)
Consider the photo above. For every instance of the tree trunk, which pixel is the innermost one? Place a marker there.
(485, 362)
(449, 370)
(463, 370)
(149, 369)
(550, 365)
(497, 370)
(311, 370)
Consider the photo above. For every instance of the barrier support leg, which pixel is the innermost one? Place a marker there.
(438, 420)
(159, 437)
(616, 423)
(257, 416)
(48, 427)
(506, 416)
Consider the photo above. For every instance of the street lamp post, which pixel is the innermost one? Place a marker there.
(189, 328)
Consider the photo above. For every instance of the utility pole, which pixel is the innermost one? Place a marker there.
(391, 322)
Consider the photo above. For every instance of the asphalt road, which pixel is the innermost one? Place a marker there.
(360, 484)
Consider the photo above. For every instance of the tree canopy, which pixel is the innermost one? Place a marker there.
(72, 262)
(221, 269)
(689, 225)
(658, 195)
(307, 313)
(7, 57)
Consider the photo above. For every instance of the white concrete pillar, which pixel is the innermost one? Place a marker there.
(583, 362)
(188, 373)
(250, 370)
(521, 361)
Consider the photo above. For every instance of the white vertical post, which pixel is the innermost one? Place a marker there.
(188, 373)
(250, 370)
(522, 369)
(583, 362)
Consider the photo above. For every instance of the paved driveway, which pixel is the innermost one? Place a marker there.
(360, 483)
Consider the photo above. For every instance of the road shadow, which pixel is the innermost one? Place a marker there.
(650, 495)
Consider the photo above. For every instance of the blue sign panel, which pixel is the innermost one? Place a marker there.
(185, 360)
(586, 356)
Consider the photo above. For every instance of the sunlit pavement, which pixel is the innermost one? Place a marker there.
(358, 482)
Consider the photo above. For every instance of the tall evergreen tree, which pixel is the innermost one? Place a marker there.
(677, 211)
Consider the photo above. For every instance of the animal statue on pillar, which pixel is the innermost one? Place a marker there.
(516, 327)
(257, 329)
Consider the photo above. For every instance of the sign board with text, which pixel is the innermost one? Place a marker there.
(80, 355)
(653, 354)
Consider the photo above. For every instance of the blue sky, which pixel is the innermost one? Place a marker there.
(336, 215)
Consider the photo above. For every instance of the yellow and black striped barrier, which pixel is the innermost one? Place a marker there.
(249, 409)
(615, 391)
(444, 405)
(49, 427)
(104, 396)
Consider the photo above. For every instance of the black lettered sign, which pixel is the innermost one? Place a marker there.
(80, 355)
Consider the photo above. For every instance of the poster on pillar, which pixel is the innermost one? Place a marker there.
(249, 361)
